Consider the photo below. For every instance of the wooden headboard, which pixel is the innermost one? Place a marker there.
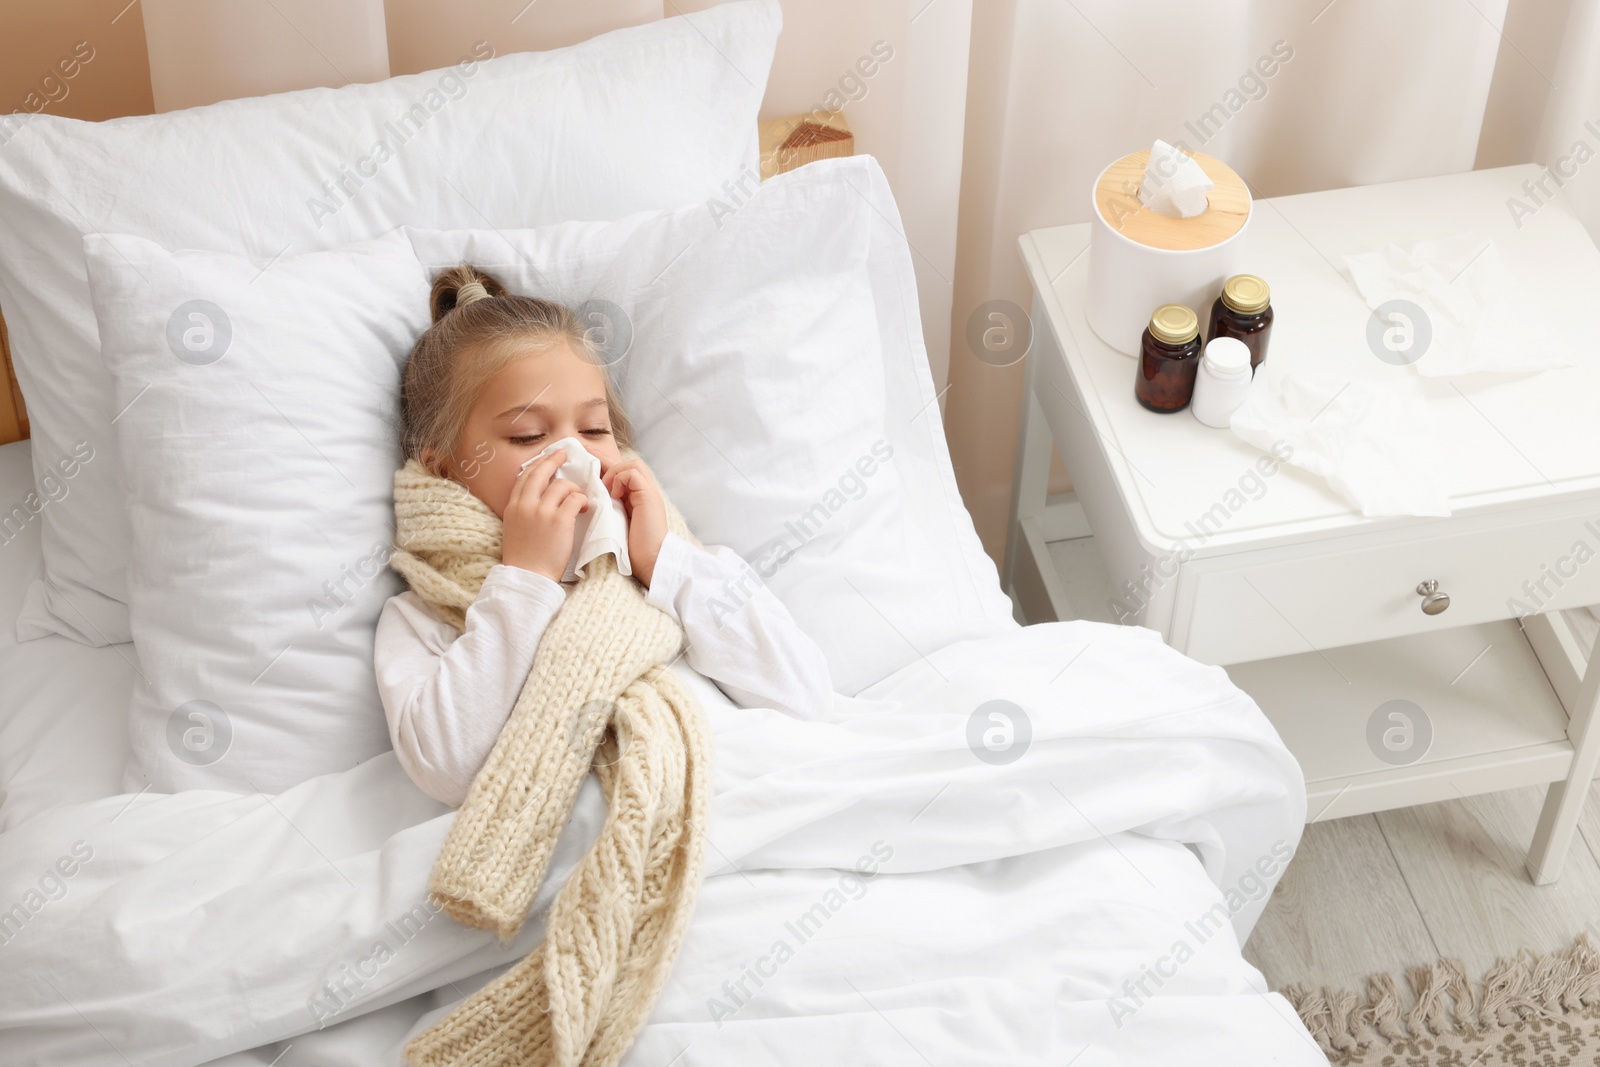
(13, 416)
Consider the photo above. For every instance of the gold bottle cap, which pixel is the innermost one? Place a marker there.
(1174, 324)
(1246, 294)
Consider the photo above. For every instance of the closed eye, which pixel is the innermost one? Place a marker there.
(530, 438)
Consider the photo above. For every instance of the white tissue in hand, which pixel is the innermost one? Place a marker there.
(604, 527)
(1174, 185)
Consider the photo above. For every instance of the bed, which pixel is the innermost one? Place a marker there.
(884, 884)
(1013, 915)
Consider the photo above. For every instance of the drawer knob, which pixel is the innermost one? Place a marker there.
(1433, 601)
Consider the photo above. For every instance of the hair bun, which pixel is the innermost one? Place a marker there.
(459, 286)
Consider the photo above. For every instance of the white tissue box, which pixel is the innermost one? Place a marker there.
(1140, 259)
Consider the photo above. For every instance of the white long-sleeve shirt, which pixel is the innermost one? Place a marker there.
(448, 693)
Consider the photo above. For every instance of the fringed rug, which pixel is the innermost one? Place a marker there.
(1530, 1011)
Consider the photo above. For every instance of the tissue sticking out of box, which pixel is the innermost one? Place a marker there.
(1174, 185)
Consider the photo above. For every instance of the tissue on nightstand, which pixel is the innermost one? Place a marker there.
(1474, 317)
(1174, 185)
(1373, 445)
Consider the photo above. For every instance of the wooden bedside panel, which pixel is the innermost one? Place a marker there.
(794, 141)
(13, 415)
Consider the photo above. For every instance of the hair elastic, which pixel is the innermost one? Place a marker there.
(470, 292)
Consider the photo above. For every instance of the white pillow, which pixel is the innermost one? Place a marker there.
(647, 117)
(259, 439)
(770, 357)
(771, 351)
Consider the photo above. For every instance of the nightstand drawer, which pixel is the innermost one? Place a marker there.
(1255, 605)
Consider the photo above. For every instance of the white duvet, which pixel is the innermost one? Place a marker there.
(875, 894)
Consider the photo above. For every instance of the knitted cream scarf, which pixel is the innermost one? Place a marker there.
(599, 692)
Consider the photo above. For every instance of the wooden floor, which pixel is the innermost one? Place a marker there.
(1382, 892)
(1399, 888)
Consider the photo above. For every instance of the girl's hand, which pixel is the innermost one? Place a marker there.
(631, 482)
(540, 518)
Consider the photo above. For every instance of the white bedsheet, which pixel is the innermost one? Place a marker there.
(1020, 910)
(63, 706)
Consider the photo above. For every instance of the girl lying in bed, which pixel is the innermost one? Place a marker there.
(497, 379)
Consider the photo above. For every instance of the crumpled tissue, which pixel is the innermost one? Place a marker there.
(1173, 185)
(1474, 318)
(604, 526)
(1372, 444)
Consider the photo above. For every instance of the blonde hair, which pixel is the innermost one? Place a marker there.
(468, 344)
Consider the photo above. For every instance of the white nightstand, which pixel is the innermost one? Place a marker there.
(1313, 608)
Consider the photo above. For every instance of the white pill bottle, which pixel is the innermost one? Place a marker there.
(1221, 381)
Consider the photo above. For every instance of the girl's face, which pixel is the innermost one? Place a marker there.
(528, 405)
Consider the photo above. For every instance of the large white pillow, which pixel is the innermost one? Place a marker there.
(647, 117)
(769, 358)
(259, 439)
(769, 353)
